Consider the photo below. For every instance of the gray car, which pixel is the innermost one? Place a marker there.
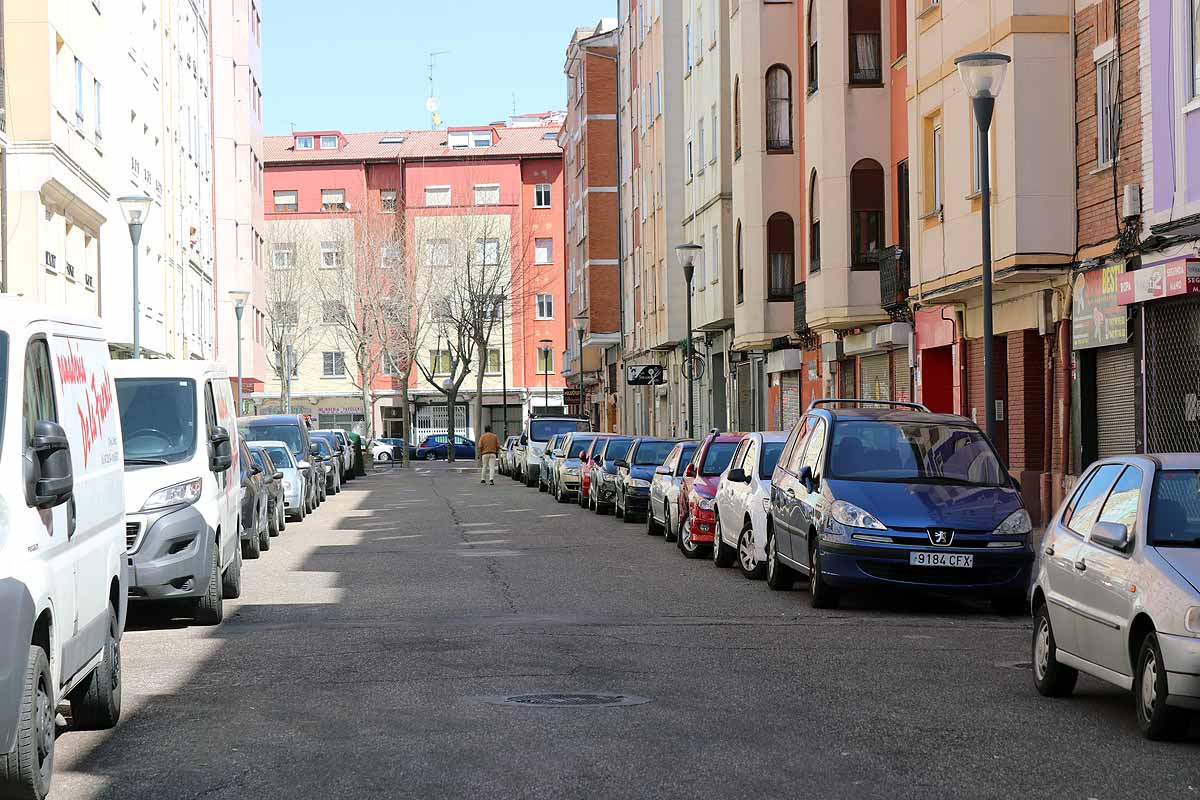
(1116, 592)
(547, 462)
(663, 513)
(566, 475)
(294, 507)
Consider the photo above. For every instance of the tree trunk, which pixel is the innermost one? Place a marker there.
(451, 395)
(407, 421)
(477, 403)
(368, 412)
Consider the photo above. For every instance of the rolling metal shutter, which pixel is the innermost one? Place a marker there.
(789, 400)
(875, 377)
(846, 378)
(1115, 406)
(1172, 376)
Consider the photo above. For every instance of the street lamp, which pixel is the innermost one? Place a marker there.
(135, 208)
(545, 343)
(983, 76)
(687, 257)
(239, 297)
(581, 322)
(288, 342)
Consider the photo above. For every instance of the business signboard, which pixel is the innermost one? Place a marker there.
(1098, 320)
(1174, 278)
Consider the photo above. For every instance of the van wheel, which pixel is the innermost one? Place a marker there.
(1050, 678)
(25, 770)
(96, 703)
(1157, 720)
(231, 581)
(210, 609)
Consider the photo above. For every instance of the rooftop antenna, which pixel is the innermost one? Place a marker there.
(514, 96)
(432, 104)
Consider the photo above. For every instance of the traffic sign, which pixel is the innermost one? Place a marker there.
(644, 375)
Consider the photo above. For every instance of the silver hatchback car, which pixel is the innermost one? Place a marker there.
(1116, 592)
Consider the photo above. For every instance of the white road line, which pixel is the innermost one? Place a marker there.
(391, 538)
(553, 516)
(488, 553)
(473, 524)
(486, 541)
(516, 510)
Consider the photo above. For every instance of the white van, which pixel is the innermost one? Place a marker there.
(62, 576)
(182, 486)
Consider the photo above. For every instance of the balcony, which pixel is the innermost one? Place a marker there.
(894, 277)
(866, 59)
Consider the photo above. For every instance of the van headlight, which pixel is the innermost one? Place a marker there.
(180, 494)
(852, 516)
(1191, 620)
(287, 486)
(1017, 523)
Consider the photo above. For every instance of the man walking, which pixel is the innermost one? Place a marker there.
(489, 448)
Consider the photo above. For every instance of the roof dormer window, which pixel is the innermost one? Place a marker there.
(329, 142)
(304, 143)
(481, 138)
(458, 139)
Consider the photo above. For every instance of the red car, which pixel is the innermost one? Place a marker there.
(585, 473)
(698, 490)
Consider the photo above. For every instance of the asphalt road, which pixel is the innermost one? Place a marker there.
(355, 663)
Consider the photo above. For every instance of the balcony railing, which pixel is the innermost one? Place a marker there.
(800, 308)
(866, 58)
(894, 277)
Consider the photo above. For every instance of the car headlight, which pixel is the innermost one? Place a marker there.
(610, 478)
(179, 494)
(852, 516)
(1191, 620)
(1016, 524)
(703, 503)
(574, 473)
(638, 483)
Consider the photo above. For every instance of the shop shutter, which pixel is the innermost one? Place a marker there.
(874, 377)
(789, 400)
(846, 378)
(1172, 376)
(1115, 406)
(745, 397)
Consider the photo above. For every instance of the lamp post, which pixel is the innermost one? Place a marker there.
(504, 364)
(983, 76)
(239, 297)
(545, 343)
(581, 322)
(687, 258)
(135, 208)
(287, 342)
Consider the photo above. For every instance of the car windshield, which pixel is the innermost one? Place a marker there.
(579, 447)
(1175, 509)
(158, 419)
(769, 458)
(652, 454)
(616, 448)
(322, 445)
(281, 456)
(717, 458)
(289, 434)
(913, 452)
(540, 430)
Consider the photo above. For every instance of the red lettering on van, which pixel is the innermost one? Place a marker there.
(98, 399)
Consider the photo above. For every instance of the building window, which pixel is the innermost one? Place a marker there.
(284, 255)
(329, 142)
(814, 226)
(78, 90)
(333, 364)
(285, 200)
(439, 360)
(1108, 114)
(741, 272)
(333, 199)
(737, 118)
(96, 110)
(691, 169)
(487, 252)
(716, 136)
(687, 44)
(541, 195)
(545, 365)
(387, 201)
(700, 145)
(285, 314)
(543, 251)
(437, 196)
(1194, 31)
(545, 306)
(812, 46)
(936, 172)
(333, 312)
(391, 366)
(866, 213)
(391, 254)
(902, 216)
(781, 257)
(866, 55)
(304, 143)
(976, 157)
(779, 108)
(487, 194)
(437, 252)
(493, 361)
(481, 138)
(331, 255)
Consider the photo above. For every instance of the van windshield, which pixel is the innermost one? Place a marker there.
(158, 419)
(279, 433)
(541, 430)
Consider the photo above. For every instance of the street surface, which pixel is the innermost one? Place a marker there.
(354, 664)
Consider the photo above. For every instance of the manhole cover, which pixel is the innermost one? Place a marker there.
(567, 700)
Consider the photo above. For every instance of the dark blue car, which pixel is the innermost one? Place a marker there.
(602, 481)
(895, 496)
(635, 472)
(437, 447)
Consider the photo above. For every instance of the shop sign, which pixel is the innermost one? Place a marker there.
(1098, 319)
(1168, 279)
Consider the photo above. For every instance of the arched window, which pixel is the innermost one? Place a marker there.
(737, 118)
(779, 108)
(814, 226)
(866, 213)
(812, 46)
(866, 46)
(781, 256)
(741, 273)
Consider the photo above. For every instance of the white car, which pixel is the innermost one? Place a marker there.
(1116, 592)
(663, 512)
(538, 431)
(63, 577)
(743, 502)
(293, 478)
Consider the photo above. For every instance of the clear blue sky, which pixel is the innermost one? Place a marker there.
(360, 65)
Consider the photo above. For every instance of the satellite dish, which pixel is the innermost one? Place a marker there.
(432, 105)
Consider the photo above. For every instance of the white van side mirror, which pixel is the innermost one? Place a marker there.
(51, 482)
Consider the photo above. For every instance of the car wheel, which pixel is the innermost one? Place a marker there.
(25, 771)
(820, 593)
(210, 608)
(686, 545)
(264, 539)
(96, 703)
(252, 547)
(1051, 678)
(231, 581)
(618, 511)
(780, 577)
(651, 523)
(281, 512)
(668, 532)
(747, 560)
(1157, 720)
(273, 522)
(430, 456)
(722, 554)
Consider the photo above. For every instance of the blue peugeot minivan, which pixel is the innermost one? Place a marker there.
(876, 493)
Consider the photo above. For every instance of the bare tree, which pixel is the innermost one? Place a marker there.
(290, 296)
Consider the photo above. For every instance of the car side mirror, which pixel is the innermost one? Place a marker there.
(314, 451)
(51, 482)
(1111, 534)
(806, 478)
(256, 470)
(662, 470)
(220, 451)
(689, 471)
(737, 475)
(621, 463)
(524, 440)
(278, 476)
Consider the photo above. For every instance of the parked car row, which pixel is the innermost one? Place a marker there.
(863, 496)
(128, 479)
